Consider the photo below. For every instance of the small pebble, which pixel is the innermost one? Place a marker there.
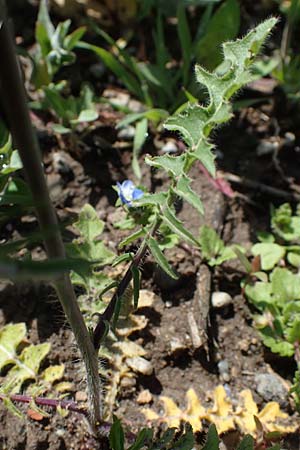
(169, 147)
(128, 382)
(140, 365)
(289, 138)
(126, 133)
(60, 432)
(244, 345)
(223, 368)
(176, 345)
(80, 396)
(144, 397)
(266, 147)
(270, 388)
(220, 299)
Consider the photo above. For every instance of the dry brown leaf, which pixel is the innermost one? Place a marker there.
(35, 415)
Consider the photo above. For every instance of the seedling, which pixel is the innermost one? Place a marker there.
(54, 47)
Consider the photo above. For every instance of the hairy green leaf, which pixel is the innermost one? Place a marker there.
(160, 258)
(177, 226)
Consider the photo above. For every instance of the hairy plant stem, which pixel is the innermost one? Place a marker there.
(42, 401)
(69, 405)
(14, 103)
(106, 317)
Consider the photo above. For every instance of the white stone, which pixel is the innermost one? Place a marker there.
(220, 299)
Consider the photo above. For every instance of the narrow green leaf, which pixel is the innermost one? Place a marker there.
(183, 189)
(212, 441)
(185, 40)
(44, 18)
(160, 257)
(133, 237)
(13, 409)
(174, 224)
(72, 39)
(247, 443)
(86, 115)
(136, 278)
(116, 435)
(116, 67)
(143, 436)
(138, 142)
(55, 101)
(223, 26)
(154, 115)
(243, 259)
(122, 258)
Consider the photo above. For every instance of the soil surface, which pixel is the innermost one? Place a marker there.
(231, 353)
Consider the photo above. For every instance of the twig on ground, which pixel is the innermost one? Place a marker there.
(261, 187)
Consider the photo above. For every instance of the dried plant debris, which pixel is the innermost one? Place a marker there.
(245, 416)
(20, 364)
(126, 358)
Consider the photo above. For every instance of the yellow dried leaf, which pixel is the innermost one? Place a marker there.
(270, 417)
(146, 298)
(246, 412)
(64, 386)
(129, 349)
(150, 415)
(221, 413)
(173, 415)
(194, 411)
(53, 373)
(245, 416)
(131, 324)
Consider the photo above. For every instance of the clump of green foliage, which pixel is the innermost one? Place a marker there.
(20, 364)
(54, 47)
(166, 82)
(69, 110)
(274, 286)
(177, 440)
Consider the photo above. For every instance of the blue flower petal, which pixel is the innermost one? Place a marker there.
(137, 194)
(128, 192)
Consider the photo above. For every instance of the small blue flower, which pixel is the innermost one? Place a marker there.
(128, 192)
